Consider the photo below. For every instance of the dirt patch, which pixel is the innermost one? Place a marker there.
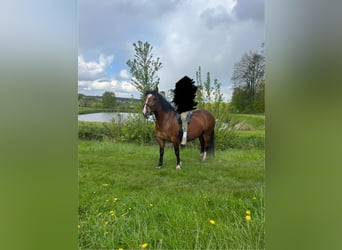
(243, 126)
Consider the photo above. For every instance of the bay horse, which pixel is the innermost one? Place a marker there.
(167, 126)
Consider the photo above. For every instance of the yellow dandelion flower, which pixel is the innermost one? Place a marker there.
(112, 213)
(212, 222)
(151, 205)
(120, 248)
(78, 226)
(106, 222)
(105, 185)
(143, 246)
(115, 199)
(248, 212)
(248, 217)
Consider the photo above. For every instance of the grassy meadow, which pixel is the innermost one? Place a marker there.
(125, 203)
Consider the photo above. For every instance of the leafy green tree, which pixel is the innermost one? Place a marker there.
(108, 100)
(240, 101)
(207, 93)
(247, 76)
(259, 102)
(218, 96)
(200, 91)
(144, 68)
(207, 88)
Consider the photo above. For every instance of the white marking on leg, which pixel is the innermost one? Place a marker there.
(148, 97)
(178, 167)
(204, 155)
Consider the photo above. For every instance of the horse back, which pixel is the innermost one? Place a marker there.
(202, 121)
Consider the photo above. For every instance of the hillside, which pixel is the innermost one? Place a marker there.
(92, 104)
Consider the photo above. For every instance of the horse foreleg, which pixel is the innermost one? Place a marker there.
(161, 153)
(176, 146)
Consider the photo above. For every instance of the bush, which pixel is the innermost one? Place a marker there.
(133, 130)
(225, 139)
(138, 130)
(91, 131)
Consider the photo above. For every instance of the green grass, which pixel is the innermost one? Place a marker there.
(256, 121)
(125, 202)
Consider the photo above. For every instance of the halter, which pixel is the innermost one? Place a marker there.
(147, 115)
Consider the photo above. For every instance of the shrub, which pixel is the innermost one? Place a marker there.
(91, 131)
(133, 130)
(138, 130)
(225, 139)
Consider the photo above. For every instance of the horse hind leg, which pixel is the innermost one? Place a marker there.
(205, 146)
(203, 153)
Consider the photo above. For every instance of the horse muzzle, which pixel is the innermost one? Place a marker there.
(147, 115)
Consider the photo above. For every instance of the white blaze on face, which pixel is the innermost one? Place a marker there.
(148, 97)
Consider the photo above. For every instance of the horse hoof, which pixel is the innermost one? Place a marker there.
(158, 167)
(178, 167)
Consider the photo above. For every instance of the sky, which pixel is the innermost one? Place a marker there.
(185, 34)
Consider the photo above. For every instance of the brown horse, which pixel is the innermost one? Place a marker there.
(201, 125)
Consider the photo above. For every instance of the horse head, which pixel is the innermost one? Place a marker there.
(150, 106)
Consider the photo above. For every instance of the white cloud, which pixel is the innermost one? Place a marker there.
(204, 39)
(92, 78)
(124, 74)
(103, 85)
(90, 70)
(120, 88)
(184, 34)
(127, 86)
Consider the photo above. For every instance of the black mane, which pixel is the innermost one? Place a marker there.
(166, 106)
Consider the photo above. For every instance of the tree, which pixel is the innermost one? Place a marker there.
(240, 101)
(205, 93)
(108, 100)
(259, 103)
(144, 68)
(208, 89)
(218, 96)
(248, 74)
(200, 93)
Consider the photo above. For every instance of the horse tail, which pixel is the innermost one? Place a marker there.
(211, 146)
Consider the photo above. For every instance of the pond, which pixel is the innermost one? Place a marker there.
(106, 117)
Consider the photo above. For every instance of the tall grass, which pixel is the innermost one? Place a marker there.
(125, 202)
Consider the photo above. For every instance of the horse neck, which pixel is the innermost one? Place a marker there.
(163, 116)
